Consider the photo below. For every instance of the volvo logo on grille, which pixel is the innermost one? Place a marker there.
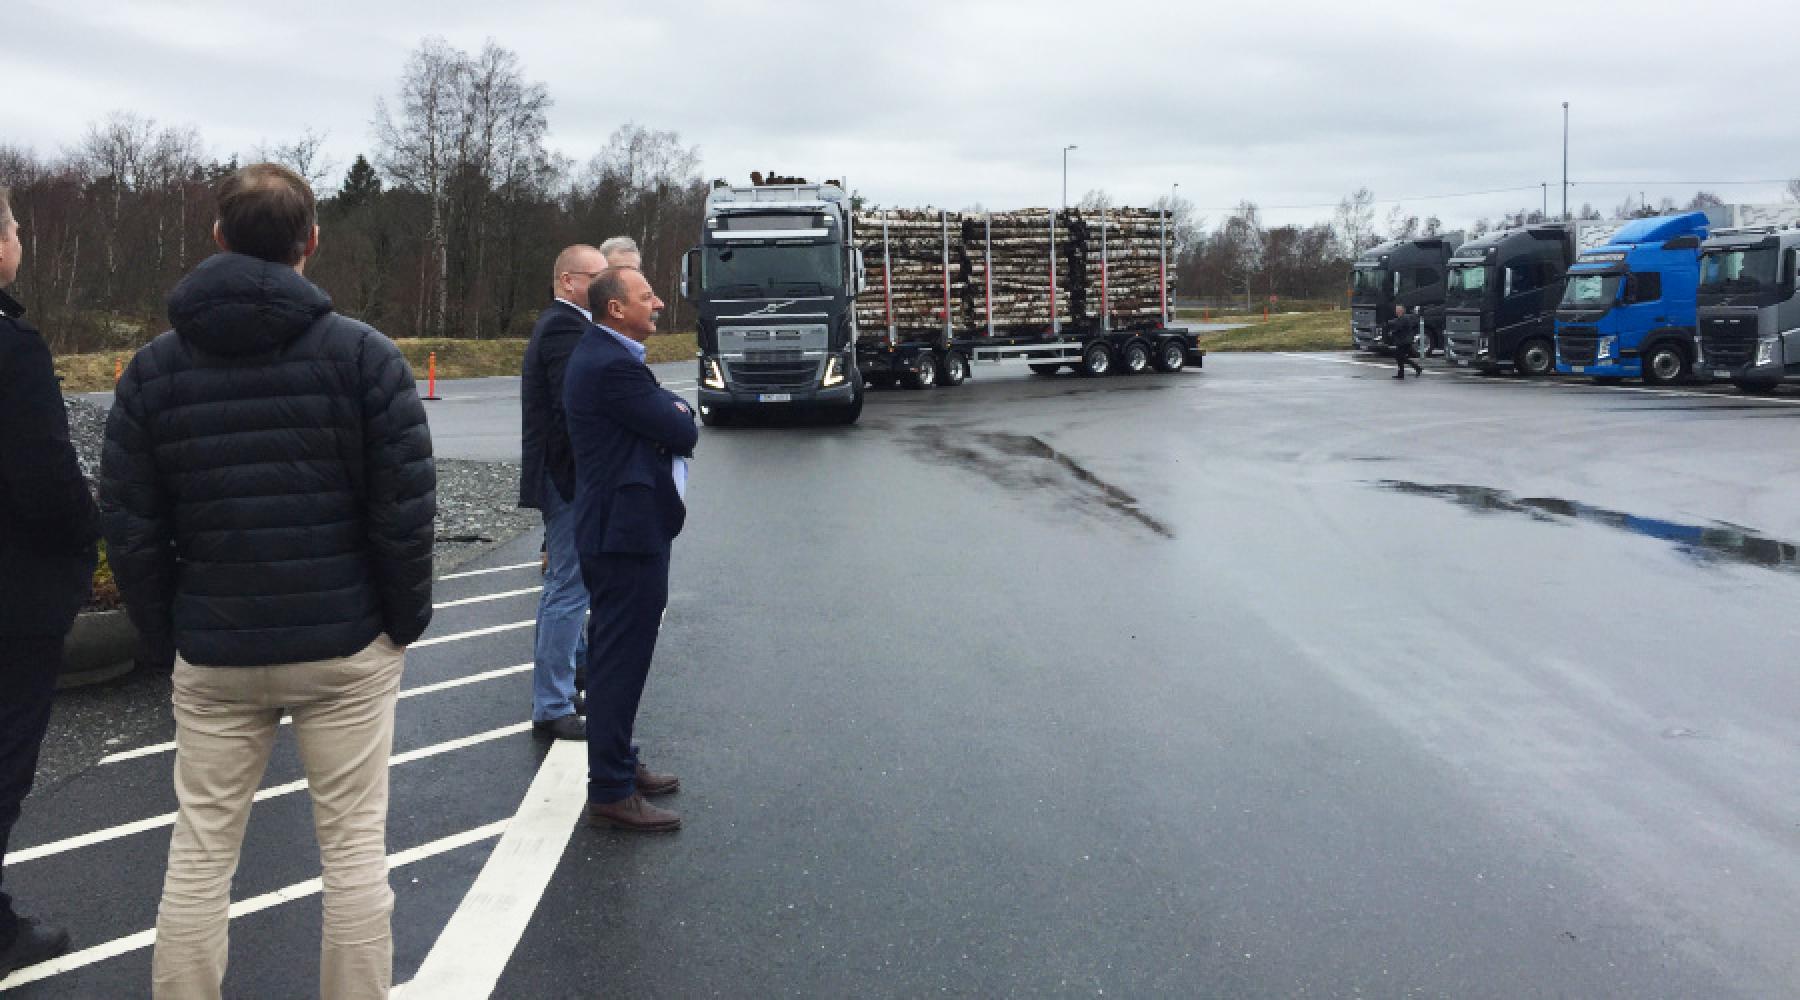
(770, 309)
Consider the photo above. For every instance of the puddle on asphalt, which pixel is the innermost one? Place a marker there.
(1715, 543)
(1026, 463)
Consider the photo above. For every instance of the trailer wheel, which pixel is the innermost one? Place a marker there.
(1045, 369)
(1096, 359)
(956, 369)
(1535, 358)
(1171, 356)
(715, 416)
(927, 375)
(1135, 358)
(1665, 364)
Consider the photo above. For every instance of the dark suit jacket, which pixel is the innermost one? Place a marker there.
(545, 431)
(48, 521)
(623, 427)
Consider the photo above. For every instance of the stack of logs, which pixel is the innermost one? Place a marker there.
(1021, 271)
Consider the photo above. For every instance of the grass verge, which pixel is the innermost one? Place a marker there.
(455, 359)
(1324, 331)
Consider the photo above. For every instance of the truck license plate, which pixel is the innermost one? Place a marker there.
(1717, 373)
(775, 397)
(1577, 369)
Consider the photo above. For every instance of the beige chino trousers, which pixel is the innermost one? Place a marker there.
(226, 719)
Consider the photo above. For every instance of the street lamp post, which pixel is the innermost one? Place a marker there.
(1066, 149)
(1565, 211)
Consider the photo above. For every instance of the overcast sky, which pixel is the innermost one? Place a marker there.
(953, 104)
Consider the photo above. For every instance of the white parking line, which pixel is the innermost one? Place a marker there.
(111, 833)
(472, 952)
(483, 598)
(484, 572)
(472, 633)
(287, 894)
(486, 675)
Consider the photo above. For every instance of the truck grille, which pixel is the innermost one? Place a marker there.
(1578, 345)
(801, 374)
(1728, 343)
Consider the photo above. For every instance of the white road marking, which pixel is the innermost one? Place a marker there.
(472, 634)
(484, 572)
(486, 675)
(482, 598)
(111, 833)
(472, 952)
(256, 904)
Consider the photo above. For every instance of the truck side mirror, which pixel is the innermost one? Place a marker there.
(859, 276)
(690, 282)
(1790, 272)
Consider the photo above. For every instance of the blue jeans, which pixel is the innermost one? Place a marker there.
(561, 617)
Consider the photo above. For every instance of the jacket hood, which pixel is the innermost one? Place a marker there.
(236, 305)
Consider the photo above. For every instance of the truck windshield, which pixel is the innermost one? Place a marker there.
(1591, 291)
(1468, 287)
(1738, 271)
(1367, 282)
(781, 269)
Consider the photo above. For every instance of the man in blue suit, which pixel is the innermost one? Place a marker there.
(632, 440)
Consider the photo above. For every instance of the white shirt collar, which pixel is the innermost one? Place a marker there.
(584, 313)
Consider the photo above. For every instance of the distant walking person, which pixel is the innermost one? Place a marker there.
(48, 525)
(547, 484)
(268, 492)
(1399, 333)
(632, 439)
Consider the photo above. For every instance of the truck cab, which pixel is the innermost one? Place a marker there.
(1407, 273)
(1628, 308)
(1750, 307)
(773, 282)
(1501, 298)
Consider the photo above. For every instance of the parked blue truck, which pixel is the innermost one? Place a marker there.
(1629, 308)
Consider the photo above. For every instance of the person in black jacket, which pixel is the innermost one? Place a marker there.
(1399, 334)
(268, 494)
(48, 525)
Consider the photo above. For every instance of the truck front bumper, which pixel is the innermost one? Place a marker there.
(734, 398)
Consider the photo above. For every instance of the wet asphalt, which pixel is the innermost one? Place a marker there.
(1280, 678)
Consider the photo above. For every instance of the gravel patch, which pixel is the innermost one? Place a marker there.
(477, 510)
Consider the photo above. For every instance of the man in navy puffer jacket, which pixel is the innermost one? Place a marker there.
(268, 492)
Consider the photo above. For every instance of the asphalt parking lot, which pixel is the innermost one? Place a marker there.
(1280, 678)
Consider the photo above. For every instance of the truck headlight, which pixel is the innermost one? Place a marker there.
(1606, 346)
(1765, 352)
(715, 379)
(834, 372)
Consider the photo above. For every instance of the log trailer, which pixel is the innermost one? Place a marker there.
(893, 353)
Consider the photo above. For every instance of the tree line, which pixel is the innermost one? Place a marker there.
(446, 227)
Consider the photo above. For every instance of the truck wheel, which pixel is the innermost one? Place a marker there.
(1535, 359)
(927, 375)
(956, 369)
(1096, 359)
(1045, 369)
(715, 416)
(1135, 358)
(1171, 356)
(1665, 364)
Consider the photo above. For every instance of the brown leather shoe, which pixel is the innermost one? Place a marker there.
(633, 814)
(651, 783)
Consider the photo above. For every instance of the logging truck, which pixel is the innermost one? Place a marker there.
(790, 317)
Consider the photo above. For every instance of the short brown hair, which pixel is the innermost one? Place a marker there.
(267, 211)
(609, 287)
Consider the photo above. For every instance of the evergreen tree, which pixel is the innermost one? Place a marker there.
(362, 185)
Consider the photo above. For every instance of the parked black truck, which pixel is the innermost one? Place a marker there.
(1503, 289)
(1408, 273)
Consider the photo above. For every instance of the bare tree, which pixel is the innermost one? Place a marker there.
(1354, 222)
(1401, 225)
(1245, 244)
(417, 149)
(304, 156)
